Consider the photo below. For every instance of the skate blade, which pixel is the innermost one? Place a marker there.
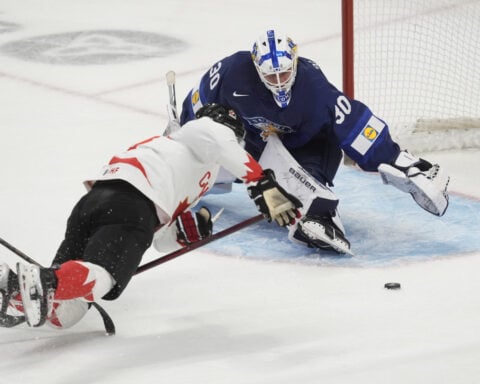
(337, 245)
(34, 302)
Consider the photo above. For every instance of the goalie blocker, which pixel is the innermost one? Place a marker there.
(426, 182)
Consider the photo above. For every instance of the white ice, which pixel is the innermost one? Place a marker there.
(208, 318)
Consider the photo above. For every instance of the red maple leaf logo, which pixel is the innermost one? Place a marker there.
(255, 171)
(182, 207)
(72, 281)
(131, 161)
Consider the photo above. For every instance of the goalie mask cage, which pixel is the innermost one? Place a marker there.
(416, 64)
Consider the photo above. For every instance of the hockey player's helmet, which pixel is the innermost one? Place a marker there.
(223, 115)
(275, 58)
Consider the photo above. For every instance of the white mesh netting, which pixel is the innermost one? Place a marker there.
(417, 66)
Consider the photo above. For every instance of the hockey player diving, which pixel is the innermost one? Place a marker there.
(142, 195)
(298, 123)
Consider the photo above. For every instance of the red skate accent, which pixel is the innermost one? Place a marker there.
(16, 302)
(53, 317)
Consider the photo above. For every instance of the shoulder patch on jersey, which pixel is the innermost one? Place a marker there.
(368, 134)
(195, 99)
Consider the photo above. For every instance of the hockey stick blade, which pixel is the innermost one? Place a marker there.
(107, 320)
(198, 244)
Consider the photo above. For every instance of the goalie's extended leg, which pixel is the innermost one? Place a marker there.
(321, 228)
(322, 233)
(426, 182)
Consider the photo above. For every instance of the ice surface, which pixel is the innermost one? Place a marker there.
(251, 308)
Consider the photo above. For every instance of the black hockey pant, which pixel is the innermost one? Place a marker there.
(112, 226)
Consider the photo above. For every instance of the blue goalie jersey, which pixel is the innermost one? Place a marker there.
(317, 124)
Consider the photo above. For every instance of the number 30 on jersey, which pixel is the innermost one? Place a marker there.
(214, 75)
(342, 109)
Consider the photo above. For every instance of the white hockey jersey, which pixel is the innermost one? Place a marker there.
(175, 171)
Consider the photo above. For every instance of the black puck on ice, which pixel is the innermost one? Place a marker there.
(392, 285)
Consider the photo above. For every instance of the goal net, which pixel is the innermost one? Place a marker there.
(416, 64)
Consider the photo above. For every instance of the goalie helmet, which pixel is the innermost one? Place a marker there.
(275, 58)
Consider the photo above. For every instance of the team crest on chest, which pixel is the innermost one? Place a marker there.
(267, 127)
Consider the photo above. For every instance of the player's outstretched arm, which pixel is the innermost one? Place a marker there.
(426, 182)
(273, 201)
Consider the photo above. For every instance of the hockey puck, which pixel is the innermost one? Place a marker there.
(392, 285)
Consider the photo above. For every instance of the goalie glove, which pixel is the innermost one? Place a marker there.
(194, 226)
(426, 183)
(273, 201)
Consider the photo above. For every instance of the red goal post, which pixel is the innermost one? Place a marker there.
(416, 64)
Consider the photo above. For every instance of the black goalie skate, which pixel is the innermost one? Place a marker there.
(322, 233)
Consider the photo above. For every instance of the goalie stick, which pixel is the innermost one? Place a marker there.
(9, 321)
(170, 76)
(173, 122)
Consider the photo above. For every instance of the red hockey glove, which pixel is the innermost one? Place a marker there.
(194, 226)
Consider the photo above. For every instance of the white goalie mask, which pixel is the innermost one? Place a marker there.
(275, 58)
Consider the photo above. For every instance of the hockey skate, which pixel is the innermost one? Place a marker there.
(322, 233)
(37, 287)
(11, 310)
